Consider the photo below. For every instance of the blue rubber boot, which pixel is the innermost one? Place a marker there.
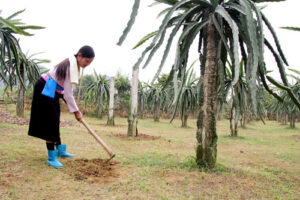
(62, 151)
(52, 159)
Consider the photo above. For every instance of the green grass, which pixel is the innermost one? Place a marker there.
(263, 162)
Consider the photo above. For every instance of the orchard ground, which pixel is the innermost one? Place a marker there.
(263, 162)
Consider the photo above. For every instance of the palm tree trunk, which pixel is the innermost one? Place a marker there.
(292, 120)
(132, 117)
(111, 120)
(243, 120)
(220, 112)
(285, 119)
(119, 99)
(156, 109)
(21, 93)
(206, 153)
(235, 112)
(234, 121)
(100, 106)
(141, 109)
(184, 117)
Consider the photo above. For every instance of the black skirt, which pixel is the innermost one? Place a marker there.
(45, 114)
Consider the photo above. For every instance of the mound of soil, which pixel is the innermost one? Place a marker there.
(5, 117)
(141, 136)
(94, 171)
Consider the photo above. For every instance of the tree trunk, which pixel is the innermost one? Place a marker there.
(21, 93)
(184, 117)
(220, 112)
(100, 106)
(292, 120)
(206, 152)
(233, 121)
(119, 99)
(243, 120)
(132, 118)
(156, 109)
(285, 119)
(141, 109)
(184, 121)
(111, 120)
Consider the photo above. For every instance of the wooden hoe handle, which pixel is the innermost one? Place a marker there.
(107, 149)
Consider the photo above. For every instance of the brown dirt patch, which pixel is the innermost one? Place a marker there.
(103, 124)
(141, 136)
(5, 117)
(296, 137)
(94, 170)
(66, 123)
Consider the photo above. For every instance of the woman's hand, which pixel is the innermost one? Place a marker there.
(78, 115)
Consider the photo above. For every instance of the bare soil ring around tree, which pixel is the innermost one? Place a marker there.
(94, 170)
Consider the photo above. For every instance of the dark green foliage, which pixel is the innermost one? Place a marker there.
(130, 22)
(86, 80)
(11, 55)
(157, 98)
(291, 28)
(97, 92)
(286, 109)
(123, 86)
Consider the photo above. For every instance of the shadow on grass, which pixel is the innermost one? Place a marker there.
(234, 137)
(174, 162)
(186, 127)
(291, 128)
(252, 140)
(163, 161)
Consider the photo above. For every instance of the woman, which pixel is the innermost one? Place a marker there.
(45, 109)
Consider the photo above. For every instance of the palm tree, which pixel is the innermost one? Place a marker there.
(157, 97)
(30, 70)
(85, 81)
(11, 56)
(239, 98)
(277, 109)
(187, 101)
(97, 91)
(14, 64)
(122, 84)
(142, 99)
(287, 110)
(223, 27)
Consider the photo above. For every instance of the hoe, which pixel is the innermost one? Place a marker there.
(99, 140)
